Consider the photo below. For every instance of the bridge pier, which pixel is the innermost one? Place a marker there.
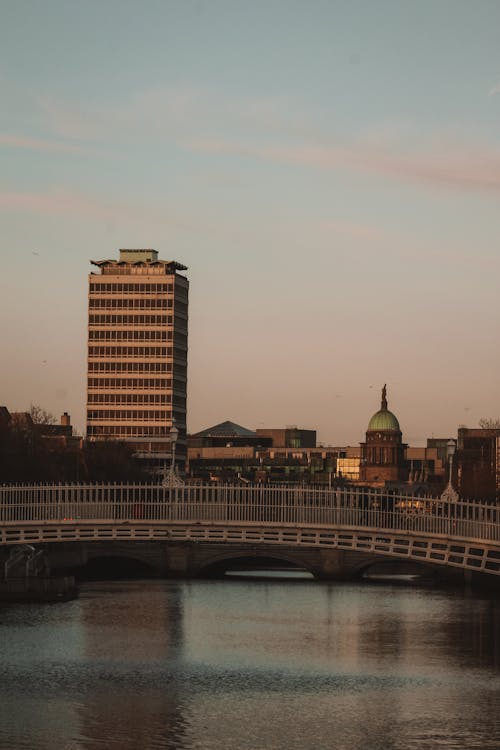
(332, 566)
(179, 562)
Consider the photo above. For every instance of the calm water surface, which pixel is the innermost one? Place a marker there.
(251, 665)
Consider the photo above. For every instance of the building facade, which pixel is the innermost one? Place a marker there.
(137, 354)
(348, 467)
(230, 452)
(477, 464)
(425, 466)
(289, 437)
(383, 453)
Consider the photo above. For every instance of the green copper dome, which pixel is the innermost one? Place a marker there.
(383, 420)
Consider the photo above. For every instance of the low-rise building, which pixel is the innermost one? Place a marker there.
(477, 464)
(228, 451)
(425, 465)
(348, 467)
(289, 437)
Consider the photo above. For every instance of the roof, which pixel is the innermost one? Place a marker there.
(383, 420)
(170, 264)
(225, 429)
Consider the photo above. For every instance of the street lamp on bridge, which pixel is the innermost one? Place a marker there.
(171, 477)
(450, 494)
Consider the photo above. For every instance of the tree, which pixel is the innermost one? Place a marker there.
(113, 461)
(40, 416)
(23, 458)
(488, 423)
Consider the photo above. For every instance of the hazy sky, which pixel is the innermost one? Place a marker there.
(329, 171)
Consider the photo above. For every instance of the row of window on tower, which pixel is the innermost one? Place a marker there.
(130, 320)
(130, 398)
(130, 351)
(133, 303)
(130, 383)
(113, 335)
(130, 367)
(113, 431)
(118, 288)
(132, 415)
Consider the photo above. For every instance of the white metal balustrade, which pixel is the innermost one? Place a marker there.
(247, 504)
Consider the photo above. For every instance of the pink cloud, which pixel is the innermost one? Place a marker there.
(465, 167)
(65, 202)
(164, 109)
(57, 202)
(352, 229)
(37, 144)
(152, 110)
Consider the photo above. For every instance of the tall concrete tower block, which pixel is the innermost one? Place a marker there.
(137, 354)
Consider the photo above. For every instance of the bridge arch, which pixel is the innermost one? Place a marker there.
(390, 565)
(103, 563)
(222, 562)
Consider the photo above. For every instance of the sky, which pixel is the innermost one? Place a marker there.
(328, 171)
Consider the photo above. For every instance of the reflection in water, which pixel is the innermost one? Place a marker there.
(288, 574)
(251, 664)
(144, 633)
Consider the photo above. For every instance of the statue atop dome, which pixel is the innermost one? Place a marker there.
(383, 404)
(383, 419)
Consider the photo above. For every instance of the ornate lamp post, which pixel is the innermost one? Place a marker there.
(450, 494)
(171, 478)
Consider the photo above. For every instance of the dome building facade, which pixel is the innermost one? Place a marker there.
(383, 452)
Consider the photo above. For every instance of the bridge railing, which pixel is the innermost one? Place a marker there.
(247, 504)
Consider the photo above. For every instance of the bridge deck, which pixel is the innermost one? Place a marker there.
(465, 535)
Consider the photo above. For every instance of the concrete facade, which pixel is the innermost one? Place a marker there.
(137, 353)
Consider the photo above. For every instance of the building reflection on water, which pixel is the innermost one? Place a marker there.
(134, 640)
(225, 664)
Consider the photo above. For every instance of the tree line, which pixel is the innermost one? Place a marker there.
(28, 454)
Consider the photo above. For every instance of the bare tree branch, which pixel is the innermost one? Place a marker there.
(40, 416)
(488, 423)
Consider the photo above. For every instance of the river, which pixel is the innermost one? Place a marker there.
(243, 664)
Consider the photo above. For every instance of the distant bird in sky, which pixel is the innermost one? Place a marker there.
(34, 252)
